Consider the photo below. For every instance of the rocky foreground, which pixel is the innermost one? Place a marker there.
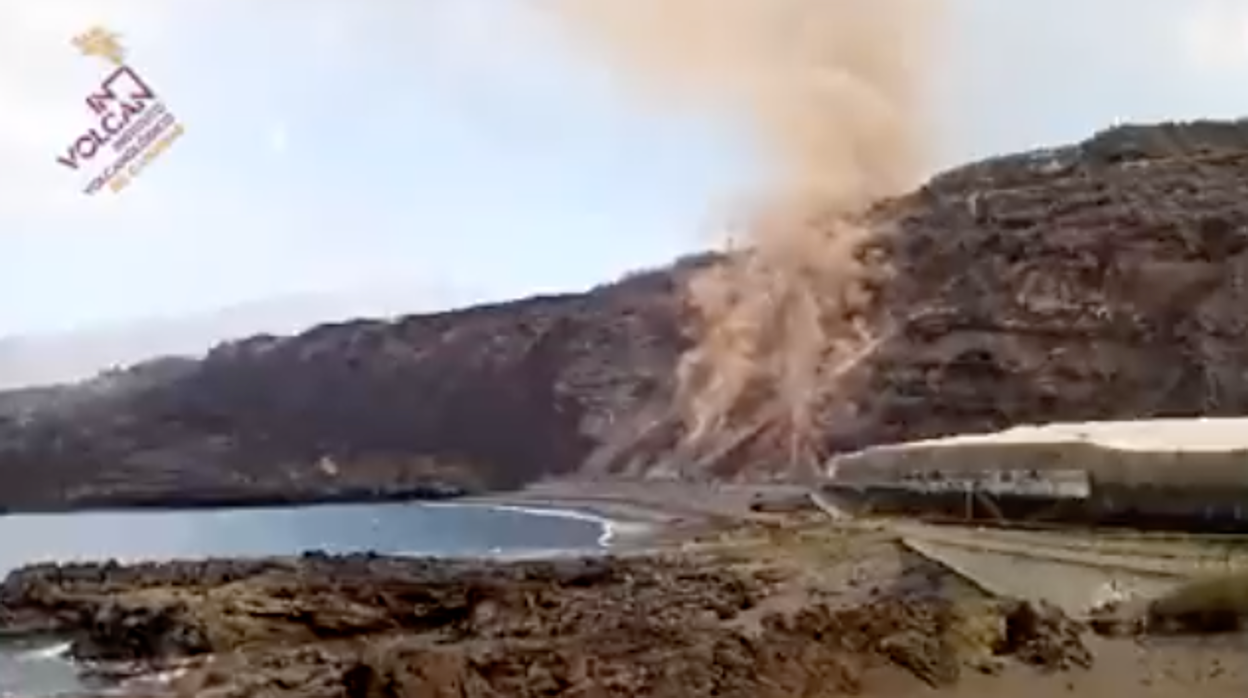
(783, 610)
(676, 625)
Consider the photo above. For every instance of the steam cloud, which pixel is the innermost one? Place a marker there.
(834, 90)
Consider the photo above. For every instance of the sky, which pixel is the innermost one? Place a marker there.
(416, 154)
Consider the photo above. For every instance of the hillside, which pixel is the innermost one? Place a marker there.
(488, 397)
(1099, 280)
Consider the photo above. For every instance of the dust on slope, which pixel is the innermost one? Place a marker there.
(834, 90)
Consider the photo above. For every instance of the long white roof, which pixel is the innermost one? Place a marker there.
(1191, 434)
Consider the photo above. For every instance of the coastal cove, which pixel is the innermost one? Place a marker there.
(34, 666)
(408, 528)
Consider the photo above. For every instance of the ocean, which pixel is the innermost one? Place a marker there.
(31, 667)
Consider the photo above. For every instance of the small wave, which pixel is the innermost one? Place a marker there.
(156, 679)
(624, 529)
(609, 527)
(541, 554)
(511, 554)
(56, 651)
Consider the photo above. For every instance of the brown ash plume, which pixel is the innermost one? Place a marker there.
(834, 90)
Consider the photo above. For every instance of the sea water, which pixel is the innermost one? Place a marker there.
(38, 667)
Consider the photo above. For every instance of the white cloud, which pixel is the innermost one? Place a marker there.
(1214, 35)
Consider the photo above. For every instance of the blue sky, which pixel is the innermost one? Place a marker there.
(419, 153)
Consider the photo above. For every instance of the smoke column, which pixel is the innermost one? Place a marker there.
(833, 89)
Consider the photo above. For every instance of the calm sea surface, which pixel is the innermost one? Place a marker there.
(36, 669)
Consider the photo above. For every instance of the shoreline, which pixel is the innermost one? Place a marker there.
(621, 524)
(639, 516)
(614, 525)
(648, 500)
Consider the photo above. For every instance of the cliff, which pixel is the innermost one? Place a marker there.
(1101, 280)
(482, 398)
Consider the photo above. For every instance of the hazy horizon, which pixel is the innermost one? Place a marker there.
(71, 354)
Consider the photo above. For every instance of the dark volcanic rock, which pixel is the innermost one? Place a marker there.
(119, 632)
(671, 626)
(1102, 280)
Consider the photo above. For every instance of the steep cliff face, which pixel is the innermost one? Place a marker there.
(1102, 280)
(1099, 281)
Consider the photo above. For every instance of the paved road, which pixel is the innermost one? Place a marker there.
(1075, 570)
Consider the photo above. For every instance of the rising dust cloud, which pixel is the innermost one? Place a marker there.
(834, 91)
